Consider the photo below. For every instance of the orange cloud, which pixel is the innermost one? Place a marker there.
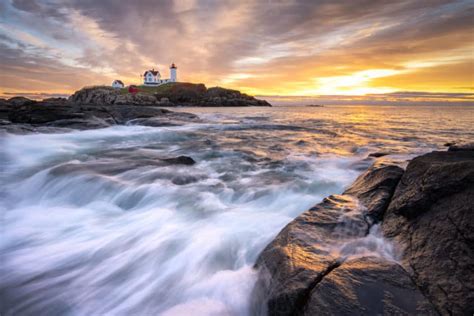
(281, 48)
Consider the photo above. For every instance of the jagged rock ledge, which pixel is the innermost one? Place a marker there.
(22, 116)
(317, 265)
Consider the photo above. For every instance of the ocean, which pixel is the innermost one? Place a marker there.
(92, 225)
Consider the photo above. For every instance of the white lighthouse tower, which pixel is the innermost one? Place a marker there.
(173, 76)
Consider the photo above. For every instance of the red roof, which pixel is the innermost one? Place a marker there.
(173, 66)
(153, 71)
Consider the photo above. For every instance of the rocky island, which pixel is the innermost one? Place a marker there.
(167, 95)
(319, 263)
(101, 106)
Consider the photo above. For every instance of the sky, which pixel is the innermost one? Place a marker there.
(358, 49)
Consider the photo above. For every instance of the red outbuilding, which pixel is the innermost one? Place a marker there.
(133, 89)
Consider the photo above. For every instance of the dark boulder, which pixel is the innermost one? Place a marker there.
(378, 154)
(431, 216)
(303, 253)
(461, 147)
(180, 160)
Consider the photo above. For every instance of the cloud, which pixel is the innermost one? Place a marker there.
(271, 47)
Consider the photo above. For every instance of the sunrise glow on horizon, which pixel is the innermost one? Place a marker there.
(278, 48)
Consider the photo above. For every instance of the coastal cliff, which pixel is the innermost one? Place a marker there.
(395, 242)
(99, 107)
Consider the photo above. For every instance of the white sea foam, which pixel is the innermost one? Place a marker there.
(372, 245)
(91, 226)
(85, 241)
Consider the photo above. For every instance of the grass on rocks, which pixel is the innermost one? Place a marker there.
(164, 88)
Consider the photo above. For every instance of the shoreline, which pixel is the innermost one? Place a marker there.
(299, 275)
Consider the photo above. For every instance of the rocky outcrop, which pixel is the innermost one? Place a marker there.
(98, 107)
(461, 147)
(50, 114)
(324, 263)
(41, 112)
(313, 245)
(171, 94)
(431, 217)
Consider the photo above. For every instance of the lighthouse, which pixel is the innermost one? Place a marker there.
(173, 76)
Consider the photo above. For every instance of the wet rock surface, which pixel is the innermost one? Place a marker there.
(431, 217)
(123, 160)
(395, 243)
(56, 115)
(312, 245)
(180, 160)
(367, 286)
(375, 188)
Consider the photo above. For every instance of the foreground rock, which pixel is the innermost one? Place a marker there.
(168, 95)
(432, 217)
(367, 286)
(331, 260)
(316, 243)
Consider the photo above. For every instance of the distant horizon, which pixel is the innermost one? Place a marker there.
(393, 98)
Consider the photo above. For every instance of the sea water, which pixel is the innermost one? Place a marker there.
(93, 224)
